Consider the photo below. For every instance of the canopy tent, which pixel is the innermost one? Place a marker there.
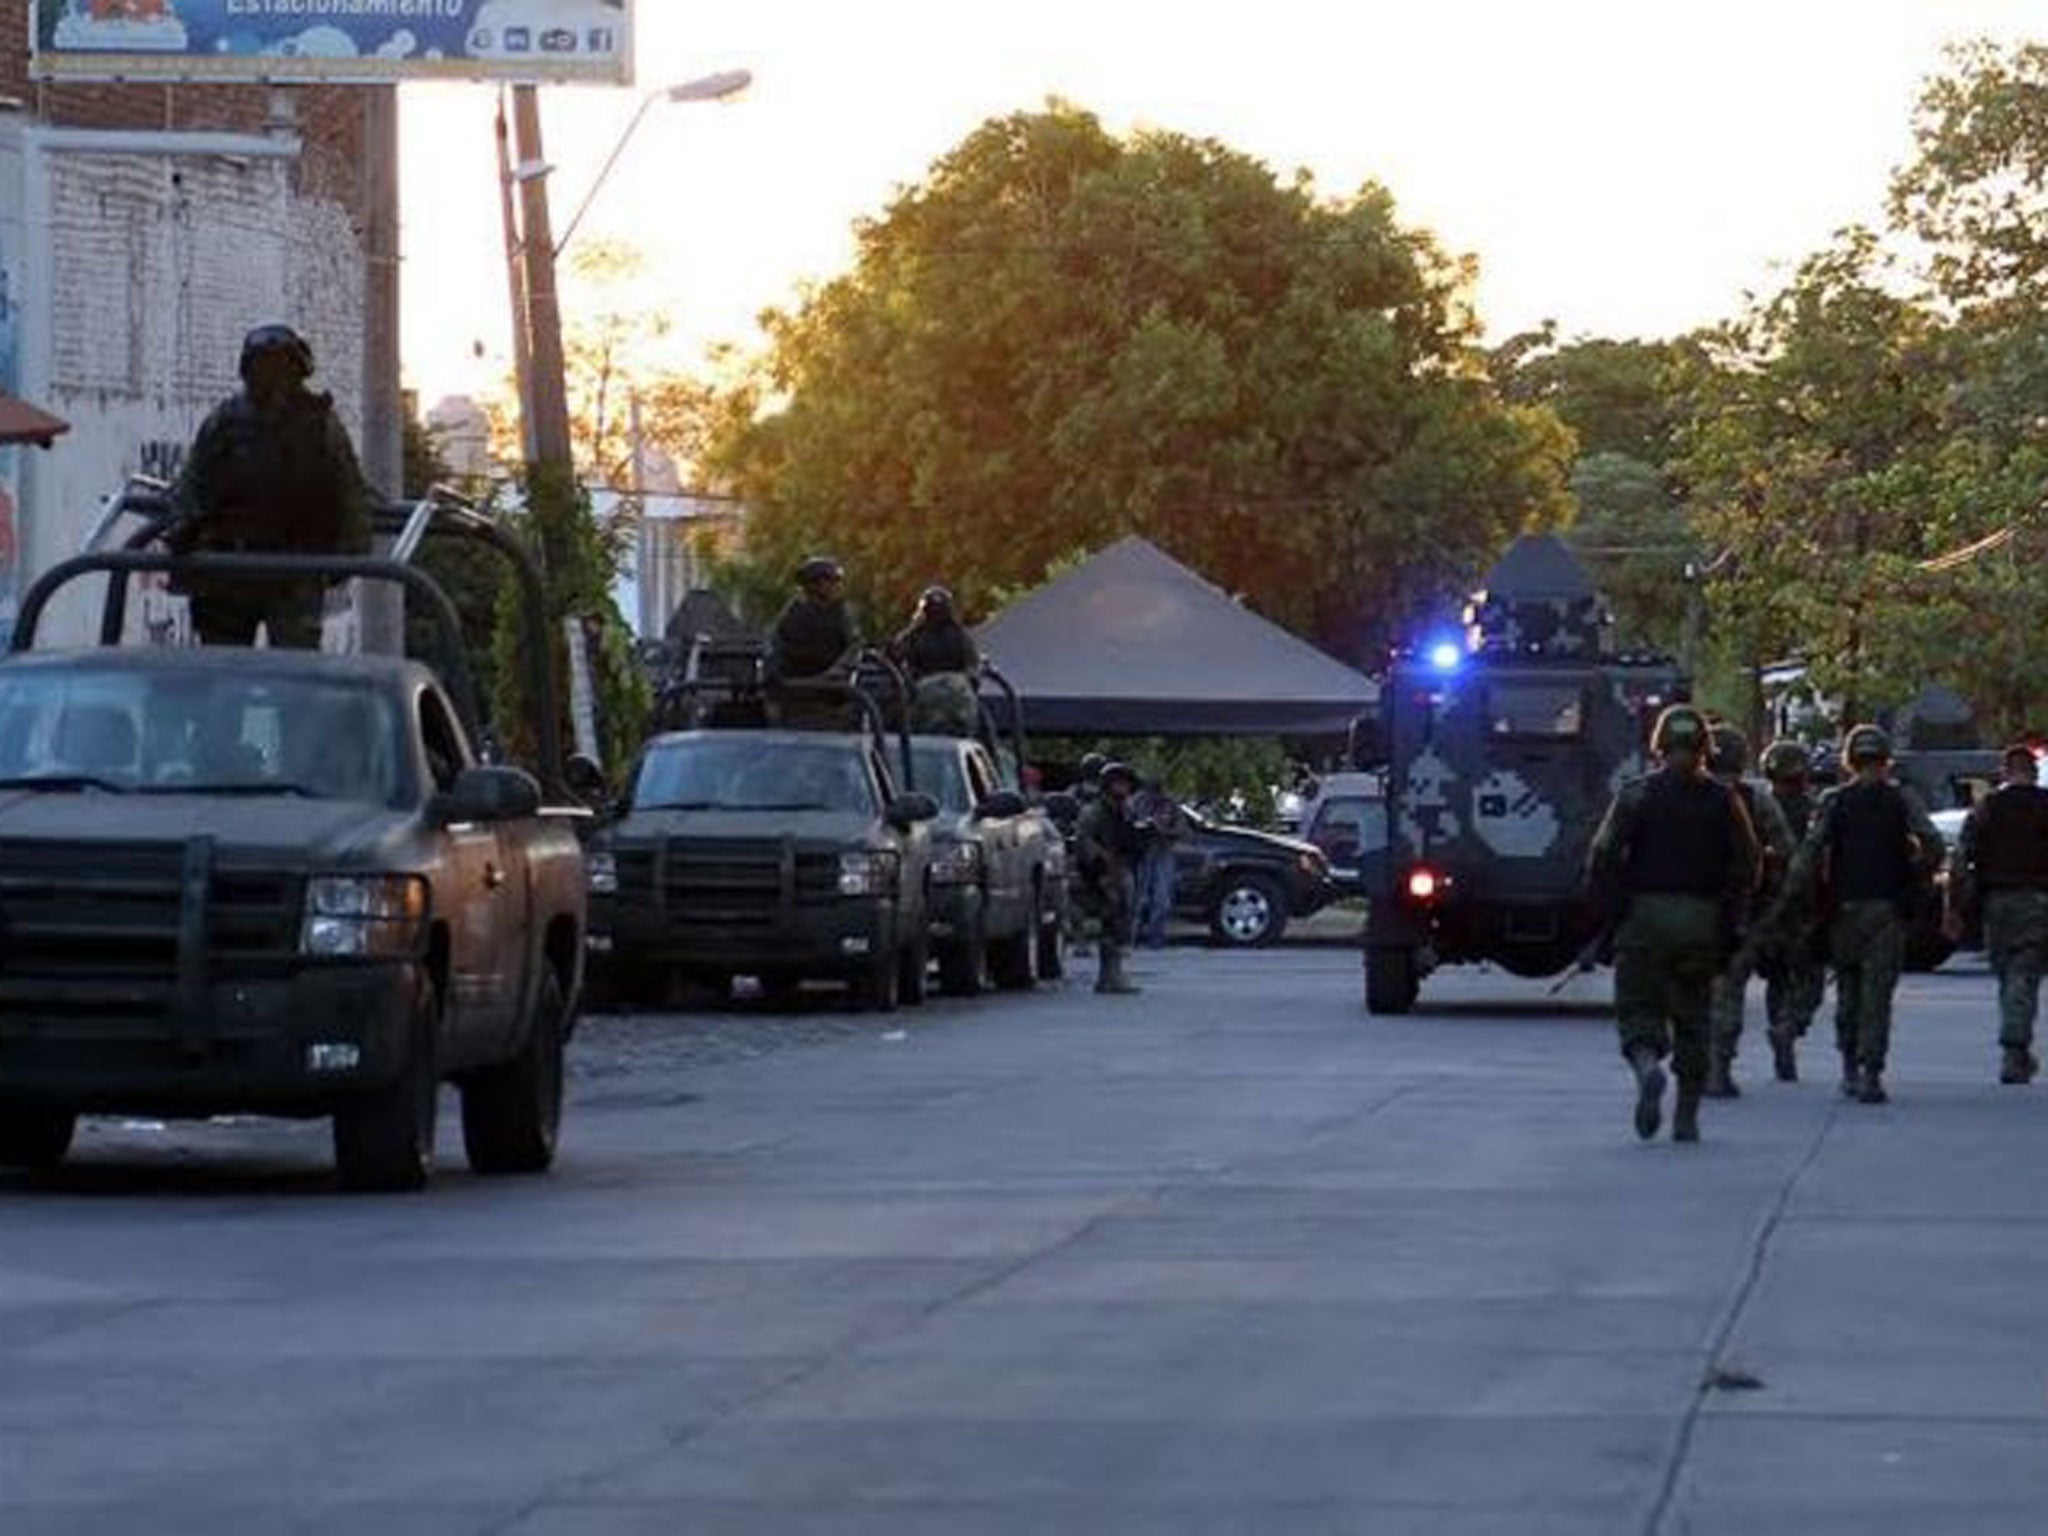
(21, 422)
(1132, 643)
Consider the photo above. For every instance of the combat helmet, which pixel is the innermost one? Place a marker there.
(1730, 750)
(1681, 728)
(1866, 744)
(818, 570)
(1785, 760)
(1119, 770)
(276, 341)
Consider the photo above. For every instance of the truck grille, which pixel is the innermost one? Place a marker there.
(739, 883)
(98, 933)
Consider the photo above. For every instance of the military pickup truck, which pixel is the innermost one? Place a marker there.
(774, 834)
(998, 871)
(281, 883)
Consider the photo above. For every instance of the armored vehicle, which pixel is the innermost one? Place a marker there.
(769, 837)
(1501, 747)
(279, 882)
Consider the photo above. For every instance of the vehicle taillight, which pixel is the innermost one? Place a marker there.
(1425, 884)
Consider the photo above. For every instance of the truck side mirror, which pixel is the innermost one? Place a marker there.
(907, 810)
(1003, 804)
(485, 796)
(586, 781)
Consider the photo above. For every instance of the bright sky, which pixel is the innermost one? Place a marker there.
(1627, 167)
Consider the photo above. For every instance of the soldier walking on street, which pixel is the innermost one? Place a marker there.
(1795, 977)
(1110, 848)
(1677, 853)
(271, 471)
(2002, 878)
(1731, 987)
(1870, 846)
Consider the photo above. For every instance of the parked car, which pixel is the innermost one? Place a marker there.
(1345, 815)
(1247, 885)
(998, 897)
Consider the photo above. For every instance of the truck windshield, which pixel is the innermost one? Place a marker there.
(212, 732)
(1546, 710)
(939, 775)
(745, 774)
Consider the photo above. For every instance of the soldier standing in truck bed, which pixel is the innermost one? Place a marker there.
(1677, 852)
(271, 471)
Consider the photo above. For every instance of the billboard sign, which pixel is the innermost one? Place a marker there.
(349, 41)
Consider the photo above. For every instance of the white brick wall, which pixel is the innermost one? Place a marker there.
(158, 264)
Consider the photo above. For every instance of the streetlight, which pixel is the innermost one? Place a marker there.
(723, 86)
(537, 314)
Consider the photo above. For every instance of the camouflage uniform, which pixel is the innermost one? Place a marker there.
(1864, 883)
(1109, 847)
(2002, 873)
(1679, 849)
(1795, 977)
(269, 472)
(1731, 986)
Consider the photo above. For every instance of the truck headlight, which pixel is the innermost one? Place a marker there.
(956, 864)
(868, 873)
(602, 874)
(1314, 865)
(364, 917)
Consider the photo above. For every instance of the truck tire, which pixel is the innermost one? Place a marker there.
(963, 964)
(1249, 911)
(512, 1113)
(1052, 945)
(34, 1136)
(1013, 961)
(875, 989)
(384, 1141)
(1391, 985)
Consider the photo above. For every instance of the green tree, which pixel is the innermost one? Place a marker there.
(1976, 188)
(1626, 405)
(1061, 336)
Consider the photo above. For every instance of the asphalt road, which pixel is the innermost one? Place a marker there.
(1229, 1257)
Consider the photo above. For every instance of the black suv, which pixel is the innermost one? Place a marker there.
(1246, 885)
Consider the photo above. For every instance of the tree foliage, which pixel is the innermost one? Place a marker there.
(1061, 336)
(1626, 403)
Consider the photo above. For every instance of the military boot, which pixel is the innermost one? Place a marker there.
(1649, 1090)
(2019, 1066)
(1870, 1086)
(1720, 1082)
(1852, 1080)
(1785, 1053)
(1109, 974)
(1685, 1120)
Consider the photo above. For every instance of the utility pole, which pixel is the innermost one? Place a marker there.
(548, 397)
(380, 605)
(515, 279)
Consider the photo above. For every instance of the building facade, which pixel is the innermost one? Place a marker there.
(143, 230)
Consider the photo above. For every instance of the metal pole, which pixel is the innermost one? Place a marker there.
(382, 607)
(515, 282)
(552, 446)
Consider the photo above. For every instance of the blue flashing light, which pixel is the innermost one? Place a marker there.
(1446, 655)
